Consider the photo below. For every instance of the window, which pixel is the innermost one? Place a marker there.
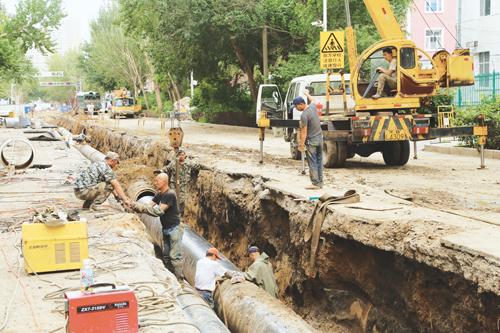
(484, 62)
(433, 6)
(290, 96)
(407, 57)
(485, 7)
(433, 39)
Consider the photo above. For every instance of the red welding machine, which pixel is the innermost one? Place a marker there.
(103, 310)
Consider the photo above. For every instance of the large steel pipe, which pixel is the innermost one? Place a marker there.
(244, 307)
(17, 152)
(193, 305)
(90, 153)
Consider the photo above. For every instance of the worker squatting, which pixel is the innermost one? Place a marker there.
(95, 184)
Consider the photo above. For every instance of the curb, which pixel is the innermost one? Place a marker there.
(462, 151)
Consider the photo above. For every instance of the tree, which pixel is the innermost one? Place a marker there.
(29, 28)
(112, 59)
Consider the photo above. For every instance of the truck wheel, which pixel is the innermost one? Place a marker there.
(294, 147)
(405, 152)
(392, 153)
(334, 154)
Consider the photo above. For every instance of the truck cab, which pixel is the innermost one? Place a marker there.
(270, 101)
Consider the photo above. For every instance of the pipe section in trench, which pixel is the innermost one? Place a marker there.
(244, 307)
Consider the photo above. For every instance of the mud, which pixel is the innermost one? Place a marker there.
(372, 275)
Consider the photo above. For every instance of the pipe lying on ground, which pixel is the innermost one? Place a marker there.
(90, 153)
(17, 152)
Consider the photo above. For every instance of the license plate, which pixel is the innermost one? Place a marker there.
(395, 135)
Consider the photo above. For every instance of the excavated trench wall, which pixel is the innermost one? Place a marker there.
(363, 288)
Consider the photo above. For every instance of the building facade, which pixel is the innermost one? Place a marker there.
(432, 24)
(479, 30)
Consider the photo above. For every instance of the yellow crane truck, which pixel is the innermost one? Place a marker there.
(123, 104)
(386, 124)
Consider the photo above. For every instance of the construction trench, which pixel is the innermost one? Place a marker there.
(368, 277)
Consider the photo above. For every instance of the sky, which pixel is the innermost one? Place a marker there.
(74, 29)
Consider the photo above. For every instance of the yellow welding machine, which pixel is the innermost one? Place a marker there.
(50, 249)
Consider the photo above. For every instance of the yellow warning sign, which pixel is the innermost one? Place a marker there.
(331, 55)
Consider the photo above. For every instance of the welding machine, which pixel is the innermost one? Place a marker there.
(103, 310)
(50, 249)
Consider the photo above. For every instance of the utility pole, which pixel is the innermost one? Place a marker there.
(459, 25)
(325, 25)
(192, 87)
(265, 54)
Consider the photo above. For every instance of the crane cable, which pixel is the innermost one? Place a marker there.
(444, 25)
(428, 26)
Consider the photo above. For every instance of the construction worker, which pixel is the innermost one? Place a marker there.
(180, 168)
(208, 270)
(386, 76)
(164, 205)
(311, 141)
(98, 181)
(261, 271)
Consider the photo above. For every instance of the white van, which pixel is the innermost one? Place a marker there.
(270, 99)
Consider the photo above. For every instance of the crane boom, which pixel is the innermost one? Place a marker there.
(384, 19)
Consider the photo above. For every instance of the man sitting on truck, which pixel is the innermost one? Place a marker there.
(386, 76)
(311, 141)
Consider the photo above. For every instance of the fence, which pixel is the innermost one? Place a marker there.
(486, 85)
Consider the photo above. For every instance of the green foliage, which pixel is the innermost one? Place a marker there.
(490, 109)
(113, 59)
(29, 28)
(211, 98)
(441, 99)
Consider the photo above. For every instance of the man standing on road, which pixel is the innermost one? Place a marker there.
(98, 181)
(386, 76)
(261, 271)
(208, 270)
(164, 205)
(311, 141)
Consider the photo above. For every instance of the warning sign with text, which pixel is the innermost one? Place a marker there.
(331, 47)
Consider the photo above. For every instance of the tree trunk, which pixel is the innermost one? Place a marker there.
(247, 68)
(159, 102)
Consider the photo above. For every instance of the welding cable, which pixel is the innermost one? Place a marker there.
(159, 322)
(7, 311)
(17, 239)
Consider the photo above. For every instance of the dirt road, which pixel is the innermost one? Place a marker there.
(443, 182)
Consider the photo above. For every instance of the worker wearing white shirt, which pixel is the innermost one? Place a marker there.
(207, 271)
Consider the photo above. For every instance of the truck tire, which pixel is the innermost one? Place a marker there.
(334, 154)
(405, 152)
(294, 147)
(392, 153)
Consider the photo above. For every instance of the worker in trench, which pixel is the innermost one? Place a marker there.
(311, 140)
(178, 174)
(260, 271)
(164, 205)
(98, 181)
(208, 270)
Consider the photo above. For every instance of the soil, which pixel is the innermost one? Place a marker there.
(385, 265)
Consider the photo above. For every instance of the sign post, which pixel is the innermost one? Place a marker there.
(331, 56)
